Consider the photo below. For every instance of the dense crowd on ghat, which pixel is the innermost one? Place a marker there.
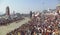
(40, 24)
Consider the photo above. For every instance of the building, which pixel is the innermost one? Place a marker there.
(7, 12)
(58, 8)
(30, 14)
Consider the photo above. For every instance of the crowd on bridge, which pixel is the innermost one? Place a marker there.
(4, 21)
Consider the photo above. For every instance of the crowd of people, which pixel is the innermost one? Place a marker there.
(4, 21)
(40, 24)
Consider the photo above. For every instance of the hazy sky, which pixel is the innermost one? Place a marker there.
(24, 6)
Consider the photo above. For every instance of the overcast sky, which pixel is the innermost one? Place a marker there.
(24, 6)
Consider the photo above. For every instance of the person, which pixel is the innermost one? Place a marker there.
(44, 31)
(40, 32)
(56, 32)
(19, 33)
(53, 32)
(48, 31)
(22, 33)
(34, 33)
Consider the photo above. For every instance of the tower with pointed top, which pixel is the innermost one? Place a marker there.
(7, 12)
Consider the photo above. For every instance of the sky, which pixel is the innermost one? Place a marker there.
(25, 6)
